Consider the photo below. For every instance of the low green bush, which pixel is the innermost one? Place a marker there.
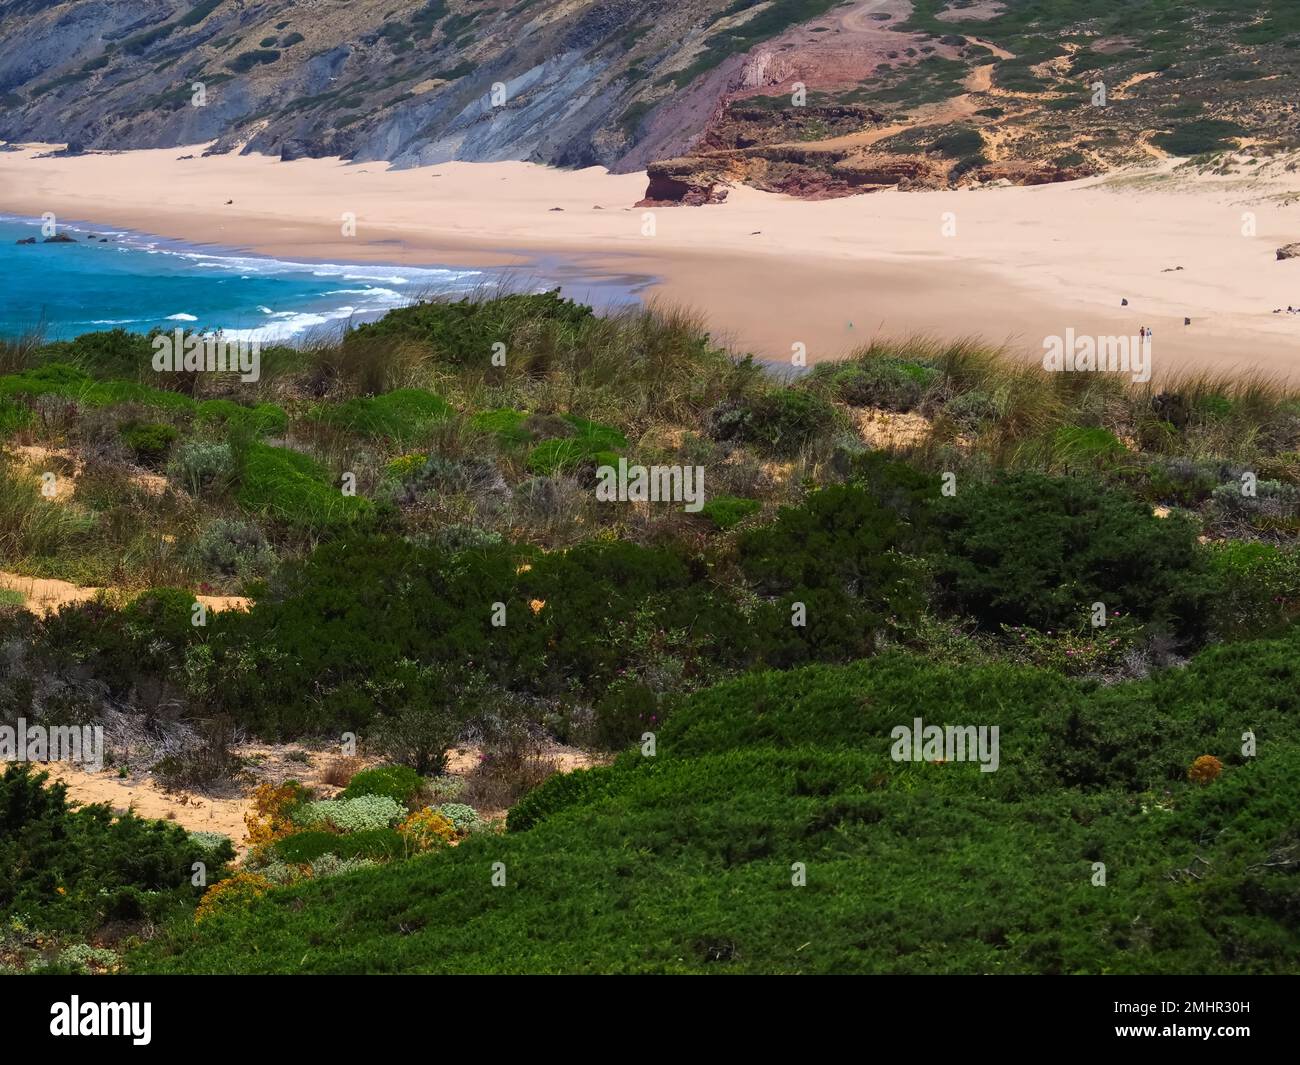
(1035, 550)
(290, 487)
(305, 847)
(149, 441)
(263, 419)
(395, 781)
(725, 512)
(74, 870)
(401, 415)
(464, 332)
(780, 422)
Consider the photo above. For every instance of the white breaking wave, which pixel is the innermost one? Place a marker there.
(288, 324)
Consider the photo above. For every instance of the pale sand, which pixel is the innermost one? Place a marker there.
(1025, 263)
(45, 595)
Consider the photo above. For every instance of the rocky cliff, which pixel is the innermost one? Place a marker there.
(811, 97)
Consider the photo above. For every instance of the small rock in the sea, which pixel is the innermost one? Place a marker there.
(25, 240)
(60, 238)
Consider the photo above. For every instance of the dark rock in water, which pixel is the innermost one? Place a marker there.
(60, 238)
(103, 240)
(1288, 251)
(25, 240)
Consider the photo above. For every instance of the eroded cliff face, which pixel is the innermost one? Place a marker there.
(556, 81)
(814, 98)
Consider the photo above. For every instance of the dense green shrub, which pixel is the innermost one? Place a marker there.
(73, 870)
(1035, 550)
(305, 847)
(290, 487)
(839, 537)
(780, 422)
(401, 415)
(464, 332)
(395, 781)
(1198, 137)
(246, 61)
(728, 511)
(697, 842)
(888, 383)
(263, 419)
(150, 441)
(1256, 588)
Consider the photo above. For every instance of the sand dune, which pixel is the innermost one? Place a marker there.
(769, 271)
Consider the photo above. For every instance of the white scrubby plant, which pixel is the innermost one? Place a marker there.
(463, 818)
(333, 865)
(352, 815)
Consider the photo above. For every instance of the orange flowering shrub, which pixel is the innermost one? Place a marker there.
(1204, 769)
(242, 889)
(269, 818)
(426, 829)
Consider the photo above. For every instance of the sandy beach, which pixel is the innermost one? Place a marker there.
(1010, 265)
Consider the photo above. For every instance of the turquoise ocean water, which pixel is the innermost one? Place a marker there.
(140, 282)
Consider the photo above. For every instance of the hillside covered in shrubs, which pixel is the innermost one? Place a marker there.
(411, 551)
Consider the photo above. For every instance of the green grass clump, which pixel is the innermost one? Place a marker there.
(506, 424)
(395, 781)
(728, 511)
(293, 488)
(304, 847)
(149, 441)
(591, 442)
(263, 419)
(401, 415)
(13, 417)
(69, 382)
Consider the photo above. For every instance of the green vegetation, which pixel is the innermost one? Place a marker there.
(1199, 136)
(70, 871)
(246, 61)
(682, 862)
(922, 530)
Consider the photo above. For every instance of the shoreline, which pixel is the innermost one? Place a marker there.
(766, 271)
(607, 292)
